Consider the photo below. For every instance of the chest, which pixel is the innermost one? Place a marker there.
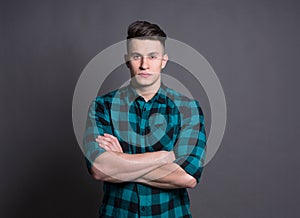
(147, 127)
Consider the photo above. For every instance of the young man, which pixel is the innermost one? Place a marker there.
(145, 141)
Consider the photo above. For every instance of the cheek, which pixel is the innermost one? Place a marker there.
(133, 67)
(158, 67)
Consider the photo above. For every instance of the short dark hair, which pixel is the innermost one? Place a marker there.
(146, 30)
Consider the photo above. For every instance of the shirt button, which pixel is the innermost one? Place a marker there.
(143, 208)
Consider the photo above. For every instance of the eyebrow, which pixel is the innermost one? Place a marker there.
(151, 53)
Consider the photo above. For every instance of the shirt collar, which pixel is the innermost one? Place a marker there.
(160, 96)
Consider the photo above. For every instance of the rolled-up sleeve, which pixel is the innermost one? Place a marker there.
(191, 143)
(97, 124)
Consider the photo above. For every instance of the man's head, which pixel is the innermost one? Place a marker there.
(146, 53)
(145, 30)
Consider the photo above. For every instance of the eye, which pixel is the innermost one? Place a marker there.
(153, 56)
(136, 57)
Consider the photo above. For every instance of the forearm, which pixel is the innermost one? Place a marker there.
(119, 167)
(168, 176)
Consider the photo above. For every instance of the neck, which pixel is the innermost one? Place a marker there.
(147, 92)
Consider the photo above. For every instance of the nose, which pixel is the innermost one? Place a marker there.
(144, 63)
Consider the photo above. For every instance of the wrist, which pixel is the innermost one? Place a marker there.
(167, 157)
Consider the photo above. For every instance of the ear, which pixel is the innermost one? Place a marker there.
(126, 59)
(164, 61)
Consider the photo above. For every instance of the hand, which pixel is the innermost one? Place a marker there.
(169, 156)
(109, 143)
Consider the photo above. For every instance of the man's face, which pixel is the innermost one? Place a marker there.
(145, 60)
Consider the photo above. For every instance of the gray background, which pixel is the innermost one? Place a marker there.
(253, 47)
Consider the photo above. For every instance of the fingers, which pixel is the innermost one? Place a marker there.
(109, 143)
(114, 141)
(111, 137)
(104, 144)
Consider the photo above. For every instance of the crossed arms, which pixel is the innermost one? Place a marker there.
(152, 168)
(162, 169)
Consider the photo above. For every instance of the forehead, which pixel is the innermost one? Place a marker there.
(145, 46)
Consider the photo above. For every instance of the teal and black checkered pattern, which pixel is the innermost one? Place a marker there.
(169, 121)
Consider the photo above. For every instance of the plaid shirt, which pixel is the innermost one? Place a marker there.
(169, 121)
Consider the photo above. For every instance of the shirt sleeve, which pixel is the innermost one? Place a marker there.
(97, 123)
(191, 144)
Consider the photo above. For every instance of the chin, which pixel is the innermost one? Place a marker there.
(143, 84)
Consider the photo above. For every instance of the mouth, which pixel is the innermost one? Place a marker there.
(145, 75)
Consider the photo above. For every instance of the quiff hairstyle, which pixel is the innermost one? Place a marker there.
(146, 30)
